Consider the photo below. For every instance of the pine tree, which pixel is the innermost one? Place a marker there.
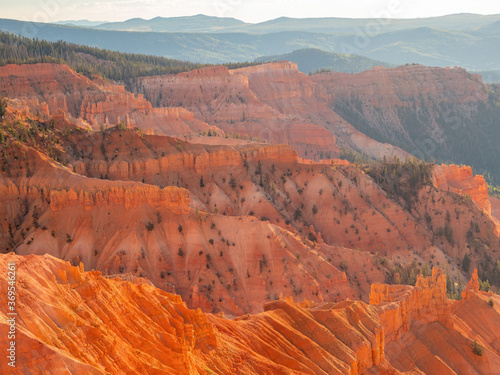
(3, 107)
(460, 286)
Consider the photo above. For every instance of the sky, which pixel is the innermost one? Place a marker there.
(246, 10)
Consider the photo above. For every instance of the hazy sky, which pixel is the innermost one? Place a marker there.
(246, 10)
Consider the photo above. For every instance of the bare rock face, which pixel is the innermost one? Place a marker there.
(217, 262)
(404, 305)
(226, 226)
(391, 87)
(495, 207)
(426, 332)
(50, 88)
(83, 322)
(444, 113)
(272, 102)
(461, 180)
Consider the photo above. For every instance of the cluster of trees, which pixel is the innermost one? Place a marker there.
(401, 179)
(468, 133)
(405, 273)
(494, 191)
(112, 65)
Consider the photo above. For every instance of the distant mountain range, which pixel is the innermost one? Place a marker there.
(311, 60)
(466, 40)
(82, 23)
(329, 25)
(190, 24)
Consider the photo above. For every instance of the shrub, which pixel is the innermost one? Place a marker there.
(150, 226)
(297, 214)
(448, 233)
(491, 303)
(485, 286)
(343, 265)
(477, 349)
(466, 263)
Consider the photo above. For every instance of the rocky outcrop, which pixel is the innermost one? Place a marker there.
(253, 212)
(440, 113)
(83, 322)
(472, 286)
(121, 327)
(272, 102)
(429, 334)
(173, 198)
(50, 88)
(403, 306)
(154, 157)
(132, 227)
(392, 87)
(281, 86)
(460, 180)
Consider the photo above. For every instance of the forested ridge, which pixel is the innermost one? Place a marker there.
(115, 66)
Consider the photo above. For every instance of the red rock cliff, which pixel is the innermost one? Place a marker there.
(461, 180)
(401, 306)
(50, 88)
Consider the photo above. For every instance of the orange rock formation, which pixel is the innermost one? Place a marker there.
(460, 180)
(82, 322)
(233, 227)
(273, 102)
(260, 219)
(50, 88)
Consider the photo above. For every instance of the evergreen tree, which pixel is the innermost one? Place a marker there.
(3, 107)
(460, 286)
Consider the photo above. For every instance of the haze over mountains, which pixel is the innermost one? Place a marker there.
(466, 40)
(202, 23)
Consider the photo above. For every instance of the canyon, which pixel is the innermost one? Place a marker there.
(440, 113)
(227, 227)
(220, 232)
(272, 102)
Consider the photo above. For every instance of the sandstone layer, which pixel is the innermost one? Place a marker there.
(272, 102)
(78, 321)
(51, 88)
(460, 180)
(226, 226)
